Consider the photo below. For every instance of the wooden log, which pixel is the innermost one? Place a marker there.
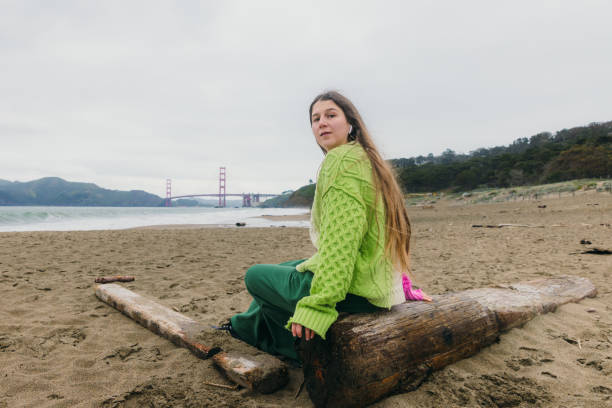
(260, 372)
(369, 356)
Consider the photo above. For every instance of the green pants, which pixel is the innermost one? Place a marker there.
(276, 289)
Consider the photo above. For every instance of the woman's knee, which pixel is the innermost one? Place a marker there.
(253, 278)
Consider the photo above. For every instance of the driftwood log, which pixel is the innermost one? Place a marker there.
(369, 356)
(118, 278)
(262, 372)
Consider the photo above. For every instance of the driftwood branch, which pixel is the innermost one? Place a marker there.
(369, 356)
(229, 387)
(597, 251)
(262, 372)
(118, 278)
(509, 225)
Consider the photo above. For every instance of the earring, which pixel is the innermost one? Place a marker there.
(351, 136)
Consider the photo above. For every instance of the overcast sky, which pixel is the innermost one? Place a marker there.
(125, 93)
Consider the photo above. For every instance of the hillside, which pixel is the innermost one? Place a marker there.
(302, 197)
(581, 152)
(56, 191)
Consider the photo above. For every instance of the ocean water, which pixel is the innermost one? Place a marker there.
(101, 218)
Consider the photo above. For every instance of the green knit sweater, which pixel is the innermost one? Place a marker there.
(348, 230)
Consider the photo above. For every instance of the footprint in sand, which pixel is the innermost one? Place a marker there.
(7, 344)
(41, 346)
(134, 352)
(600, 389)
(195, 304)
(488, 390)
(124, 352)
(507, 390)
(528, 357)
(171, 392)
(597, 364)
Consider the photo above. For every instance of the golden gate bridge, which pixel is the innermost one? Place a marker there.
(248, 199)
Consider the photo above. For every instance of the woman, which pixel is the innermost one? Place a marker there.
(361, 231)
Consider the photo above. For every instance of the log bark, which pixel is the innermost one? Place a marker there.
(369, 356)
(260, 372)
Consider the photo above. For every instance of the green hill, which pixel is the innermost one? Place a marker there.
(275, 202)
(302, 197)
(581, 152)
(56, 191)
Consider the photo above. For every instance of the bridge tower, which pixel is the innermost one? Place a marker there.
(168, 193)
(222, 187)
(246, 200)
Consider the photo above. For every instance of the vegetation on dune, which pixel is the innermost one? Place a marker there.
(581, 152)
(489, 195)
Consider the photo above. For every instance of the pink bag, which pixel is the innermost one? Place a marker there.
(408, 292)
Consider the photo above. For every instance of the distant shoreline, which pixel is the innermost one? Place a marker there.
(89, 218)
(299, 217)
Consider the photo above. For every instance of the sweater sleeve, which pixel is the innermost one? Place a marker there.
(343, 225)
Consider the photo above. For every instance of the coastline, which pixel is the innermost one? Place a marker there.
(61, 347)
(300, 217)
(277, 218)
(25, 218)
(182, 226)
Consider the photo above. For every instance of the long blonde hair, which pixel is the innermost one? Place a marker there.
(397, 224)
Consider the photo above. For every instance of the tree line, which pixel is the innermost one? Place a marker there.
(580, 152)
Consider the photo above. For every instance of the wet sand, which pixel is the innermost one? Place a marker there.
(61, 347)
(300, 217)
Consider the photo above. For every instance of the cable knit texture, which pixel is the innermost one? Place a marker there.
(348, 230)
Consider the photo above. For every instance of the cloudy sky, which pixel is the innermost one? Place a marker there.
(128, 93)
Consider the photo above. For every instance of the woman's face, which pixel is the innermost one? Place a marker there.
(329, 125)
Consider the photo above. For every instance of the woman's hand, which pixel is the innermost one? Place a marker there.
(412, 294)
(296, 329)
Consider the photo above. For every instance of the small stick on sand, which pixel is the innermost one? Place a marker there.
(508, 225)
(597, 251)
(229, 387)
(118, 278)
(299, 390)
(520, 225)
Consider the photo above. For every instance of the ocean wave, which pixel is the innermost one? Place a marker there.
(97, 218)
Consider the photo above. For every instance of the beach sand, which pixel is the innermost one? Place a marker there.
(299, 217)
(61, 347)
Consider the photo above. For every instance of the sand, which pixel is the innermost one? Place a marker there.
(61, 347)
(299, 217)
